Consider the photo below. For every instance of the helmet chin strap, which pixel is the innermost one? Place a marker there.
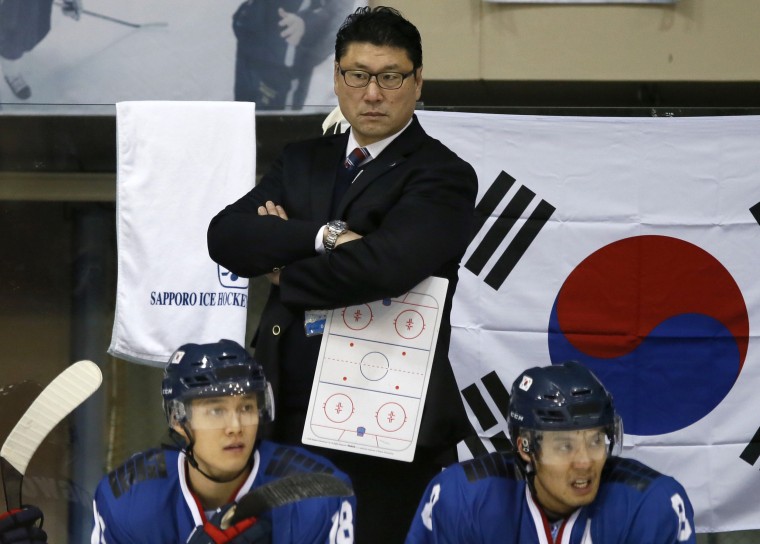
(530, 476)
(186, 447)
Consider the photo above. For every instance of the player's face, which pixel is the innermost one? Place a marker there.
(224, 429)
(569, 468)
(375, 113)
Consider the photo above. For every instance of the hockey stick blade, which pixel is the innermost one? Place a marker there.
(287, 490)
(61, 396)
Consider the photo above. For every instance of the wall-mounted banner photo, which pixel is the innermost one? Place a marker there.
(66, 56)
(631, 245)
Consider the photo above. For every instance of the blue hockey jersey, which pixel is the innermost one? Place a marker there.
(486, 501)
(147, 500)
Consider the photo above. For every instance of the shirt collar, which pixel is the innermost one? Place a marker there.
(376, 148)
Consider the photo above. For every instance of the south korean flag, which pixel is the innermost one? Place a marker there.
(631, 245)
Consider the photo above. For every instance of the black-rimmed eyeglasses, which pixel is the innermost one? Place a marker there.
(385, 80)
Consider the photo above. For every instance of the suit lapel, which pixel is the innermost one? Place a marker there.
(393, 155)
(323, 174)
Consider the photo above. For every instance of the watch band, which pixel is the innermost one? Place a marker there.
(334, 229)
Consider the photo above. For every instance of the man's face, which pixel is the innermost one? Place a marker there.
(568, 468)
(224, 429)
(376, 113)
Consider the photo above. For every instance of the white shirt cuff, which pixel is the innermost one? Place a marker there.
(319, 241)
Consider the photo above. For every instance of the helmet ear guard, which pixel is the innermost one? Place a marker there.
(525, 445)
(615, 436)
(176, 413)
(266, 408)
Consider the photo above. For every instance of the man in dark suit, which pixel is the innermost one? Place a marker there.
(405, 214)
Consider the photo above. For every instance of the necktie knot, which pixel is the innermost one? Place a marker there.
(355, 158)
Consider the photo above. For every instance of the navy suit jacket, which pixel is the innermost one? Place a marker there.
(414, 207)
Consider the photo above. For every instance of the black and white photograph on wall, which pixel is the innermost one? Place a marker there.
(69, 56)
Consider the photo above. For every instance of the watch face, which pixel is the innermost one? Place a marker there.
(335, 228)
(337, 225)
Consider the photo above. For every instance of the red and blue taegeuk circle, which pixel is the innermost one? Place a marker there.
(661, 322)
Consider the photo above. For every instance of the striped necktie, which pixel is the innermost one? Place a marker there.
(355, 158)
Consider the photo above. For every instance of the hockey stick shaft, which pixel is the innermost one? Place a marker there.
(120, 21)
(287, 490)
(12, 480)
(117, 21)
(61, 396)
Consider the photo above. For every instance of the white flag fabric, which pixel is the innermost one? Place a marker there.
(633, 246)
(179, 163)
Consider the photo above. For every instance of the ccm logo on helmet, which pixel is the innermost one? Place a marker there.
(526, 382)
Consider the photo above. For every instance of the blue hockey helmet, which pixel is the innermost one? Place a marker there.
(561, 397)
(213, 370)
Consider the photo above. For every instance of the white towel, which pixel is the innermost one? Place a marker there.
(179, 163)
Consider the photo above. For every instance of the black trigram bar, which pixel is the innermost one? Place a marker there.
(519, 244)
(498, 392)
(475, 446)
(501, 442)
(499, 230)
(478, 405)
(752, 452)
(495, 193)
(500, 396)
(502, 226)
(754, 210)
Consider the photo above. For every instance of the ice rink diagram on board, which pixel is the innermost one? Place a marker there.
(373, 371)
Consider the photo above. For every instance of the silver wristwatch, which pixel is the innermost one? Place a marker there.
(335, 228)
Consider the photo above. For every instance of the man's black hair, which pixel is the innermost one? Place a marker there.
(380, 26)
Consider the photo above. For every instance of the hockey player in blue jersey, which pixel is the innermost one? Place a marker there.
(564, 483)
(215, 397)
